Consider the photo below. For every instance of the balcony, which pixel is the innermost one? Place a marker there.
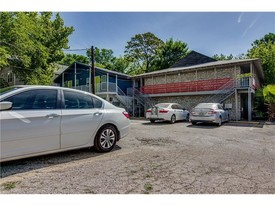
(192, 86)
(199, 86)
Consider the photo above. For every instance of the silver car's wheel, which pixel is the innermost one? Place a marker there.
(173, 119)
(187, 117)
(220, 121)
(106, 139)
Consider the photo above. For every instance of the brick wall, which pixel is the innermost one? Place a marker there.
(187, 76)
(190, 102)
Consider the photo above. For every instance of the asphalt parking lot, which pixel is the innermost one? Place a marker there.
(159, 158)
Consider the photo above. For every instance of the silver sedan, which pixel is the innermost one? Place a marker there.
(209, 112)
(168, 112)
(38, 120)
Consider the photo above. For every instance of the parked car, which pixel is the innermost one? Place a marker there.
(38, 120)
(168, 112)
(209, 112)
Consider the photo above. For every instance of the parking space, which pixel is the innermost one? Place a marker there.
(157, 158)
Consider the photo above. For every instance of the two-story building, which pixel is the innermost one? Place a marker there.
(194, 79)
(198, 78)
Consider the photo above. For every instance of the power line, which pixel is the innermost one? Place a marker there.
(75, 49)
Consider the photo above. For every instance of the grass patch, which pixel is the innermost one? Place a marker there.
(148, 187)
(9, 185)
(133, 172)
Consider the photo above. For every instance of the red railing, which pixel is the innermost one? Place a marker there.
(192, 86)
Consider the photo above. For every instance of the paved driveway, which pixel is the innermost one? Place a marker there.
(157, 158)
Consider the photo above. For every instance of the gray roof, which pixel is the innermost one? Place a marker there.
(193, 58)
(206, 65)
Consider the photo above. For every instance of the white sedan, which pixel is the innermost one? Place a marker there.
(168, 112)
(38, 120)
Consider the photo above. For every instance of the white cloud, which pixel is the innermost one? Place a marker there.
(250, 26)
(240, 17)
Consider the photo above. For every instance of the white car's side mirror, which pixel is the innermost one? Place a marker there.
(5, 106)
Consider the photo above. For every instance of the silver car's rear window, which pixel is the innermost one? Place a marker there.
(205, 106)
(162, 105)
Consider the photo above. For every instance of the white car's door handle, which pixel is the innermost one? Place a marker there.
(50, 116)
(98, 113)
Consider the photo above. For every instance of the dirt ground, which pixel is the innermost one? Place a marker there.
(159, 158)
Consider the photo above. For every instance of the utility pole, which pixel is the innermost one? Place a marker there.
(92, 72)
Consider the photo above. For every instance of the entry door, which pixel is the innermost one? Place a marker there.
(244, 103)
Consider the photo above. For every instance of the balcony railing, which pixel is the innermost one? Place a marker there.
(198, 86)
(192, 86)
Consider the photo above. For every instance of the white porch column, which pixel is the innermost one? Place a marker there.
(14, 79)
(249, 105)
(74, 75)
(133, 97)
(236, 105)
(249, 99)
(62, 83)
(107, 89)
(116, 84)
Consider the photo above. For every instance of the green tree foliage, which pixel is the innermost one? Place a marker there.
(104, 58)
(269, 97)
(169, 53)
(265, 50)
(269, 93)
(120, 64)
(69, 59)
(222, 57)
(141, 51)
(3, 83)
(30, 42)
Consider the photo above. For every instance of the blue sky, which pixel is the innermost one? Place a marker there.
(205, 32)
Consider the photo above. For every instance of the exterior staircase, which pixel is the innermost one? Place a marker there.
(141, 102)
(222, 93)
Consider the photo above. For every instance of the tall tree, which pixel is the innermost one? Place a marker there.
(120, 64)
(222, 57)
(141, 50)
(69, 59)
(264, 49)
(103, 57)
(31, 42)
(169, 53)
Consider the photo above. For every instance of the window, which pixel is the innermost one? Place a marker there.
(10, 77)
(220, 106)
(77, 82)
(179, 106)
(103, 78)
(174, 106)
(87, 81)
(34, 99)
(70, 84)
(75, 100)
